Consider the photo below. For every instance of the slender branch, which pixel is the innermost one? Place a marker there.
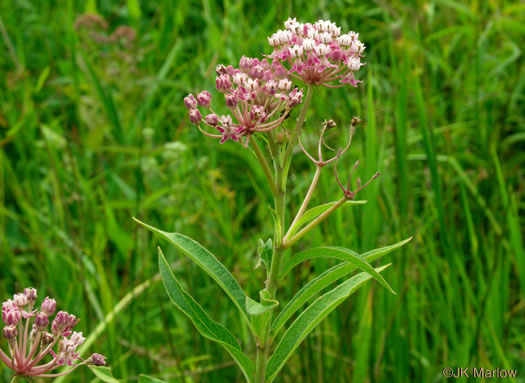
(305, 202)
(4, 358)
(266, 168)
(314, 223)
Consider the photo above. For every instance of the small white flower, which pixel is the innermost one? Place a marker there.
(273, 40)
(360, 47)
(344, 40)
(296, 51)
(321, 50)
(252, 85)
(308, 44)
(357, 46)
(284, 84)
(325, 37)
(291, 24)
(239, 78)
(353, 63)
(353, 35)
(313, 34)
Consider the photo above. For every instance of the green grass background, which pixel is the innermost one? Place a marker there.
(92, 135)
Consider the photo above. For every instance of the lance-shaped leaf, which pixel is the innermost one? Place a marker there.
(208, 262)
(147, 379)
(328, 277)
(310, 318)
(104, 374)
(204, 324)
(315, 212)
(339, 253)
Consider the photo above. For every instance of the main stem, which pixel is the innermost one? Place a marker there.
(272, 283)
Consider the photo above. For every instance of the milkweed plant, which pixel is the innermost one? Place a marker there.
(261, 98)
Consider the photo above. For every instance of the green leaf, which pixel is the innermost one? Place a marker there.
(208, 262)
(257, 308)
(339, 253)
(264, 253)
(147, 379)
(104, 374)
(328, 277)
(315, 212)
(204, 324)
(310, 318)
(261, 313)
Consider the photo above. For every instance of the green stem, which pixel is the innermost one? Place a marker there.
(272, 282)
(265, 167)
(314, 223)
(307, 198)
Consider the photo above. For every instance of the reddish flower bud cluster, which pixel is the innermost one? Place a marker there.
(259, 95)
(28, 348)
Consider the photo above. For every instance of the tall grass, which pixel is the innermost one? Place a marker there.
(83, 133)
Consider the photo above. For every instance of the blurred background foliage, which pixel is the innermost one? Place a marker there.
(93, 131)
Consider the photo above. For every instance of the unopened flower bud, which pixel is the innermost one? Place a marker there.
(97, 360)
(232, 100)
(257, 72)
(48, 306)
(10, 332)
(204, 99)
(212, 119)
(10, 313)
(246, 63)
(190, 102)
(195, 116)
(41, 321)
(223, 83)
(63, 322)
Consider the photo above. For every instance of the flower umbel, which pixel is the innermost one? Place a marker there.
(259, 95)
(27, 349)
(318, 54)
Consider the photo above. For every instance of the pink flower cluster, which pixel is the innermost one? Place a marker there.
(28, 347)
(259, 95)
(318, 53)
